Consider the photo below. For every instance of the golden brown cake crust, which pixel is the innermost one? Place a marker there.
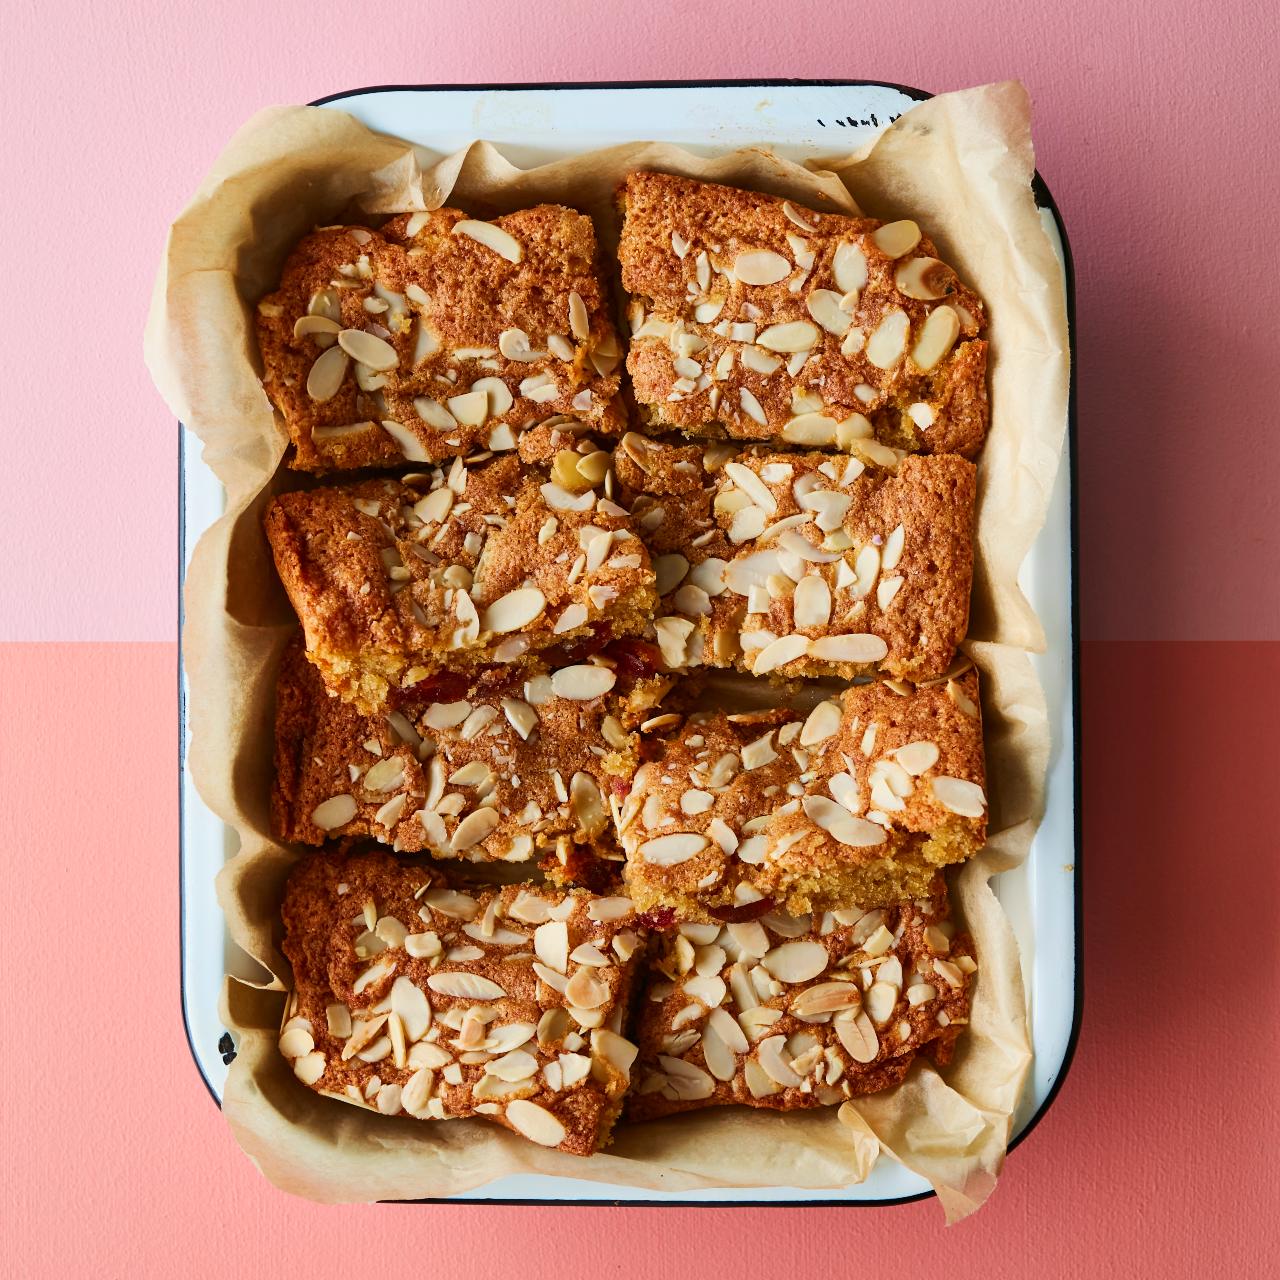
(531, 773)
(857, 802)
(882, 340)
(803, 564)
(787, 1013)
(412, 998)
(449, 315)
(394, 580)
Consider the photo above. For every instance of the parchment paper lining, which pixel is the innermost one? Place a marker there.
(961, 165)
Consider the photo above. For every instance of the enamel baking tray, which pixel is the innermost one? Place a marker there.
(532, 124)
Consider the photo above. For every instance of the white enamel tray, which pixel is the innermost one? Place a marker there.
(533, 124)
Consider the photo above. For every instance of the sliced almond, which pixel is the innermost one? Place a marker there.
(937, 337)
(335, 812)
(503, 243)
(859, 647)
(917, 757)
(368, 349)
(824, 306)
(858, 1036)
(582, 683)
(795, 335)
(796, 961)
(811, 603)
(837, 821)
(465, 986)
(326, 375)
(471, 408)
(886, 345)
(408, 443)
(810, 429)
(761, 267)
(527, 1118)
(849, 267)
(752, 407)
(513, 611)
(779, 652)
(896, 238)
(773, 1058)
(671, 850)
(959, 796)
(473, 828)
(925, 279)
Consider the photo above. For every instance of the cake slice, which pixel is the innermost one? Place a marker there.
(754, 318)
(789, 1012)
(522, 767)
(412, 998)
(803, 564)
(857, 803)
(436, 335)
(396, 580)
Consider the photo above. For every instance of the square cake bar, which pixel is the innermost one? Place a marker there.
(520, 767)
(757, 319)
(789, 1012)
(857, 802)
(412, 998)
(437, 335)
(396, 579)
(803, 564)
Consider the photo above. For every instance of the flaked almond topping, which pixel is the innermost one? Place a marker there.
(310, 1067)
(959, 796)
(825, 307)
(757, 754)
(826, 997)
(513, 611)
(810, 429)
(465, 986)
(858, 1036)
(582, 683)
(886, 345)
(795, 335)
(941, 328)
(503, 243)
(962, 700)
(409, 445)
(335, 812)
(796, 961)
(434, 414)
(751, 406)
(925, 279)
(917, 757)
(880, 1001)
(761, 267)
(778, 653)
(671, 850)
(859, 647)
(837, 821)
(499, 398)
(514, 344)
(473, 828)
(773, 1059)
(849, 267)
(896, 238)
(471, 408)
(455, 905)
(326, 374)
(446, 715)
(368, 349)
(822, 723)
(532, 1121)
(811, 603)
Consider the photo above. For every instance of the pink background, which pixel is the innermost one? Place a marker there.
(1156, 129)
